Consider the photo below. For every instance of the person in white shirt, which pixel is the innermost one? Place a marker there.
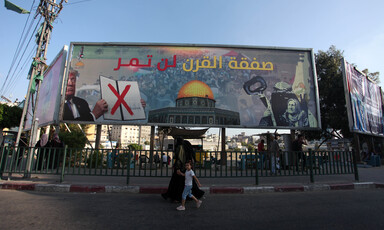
(164, 159)
(189, 176)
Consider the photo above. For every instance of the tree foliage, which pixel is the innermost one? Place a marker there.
(331, 95)
(334, 118)
(135, 147)
(250, 147)
(75, 138)
(9, 116)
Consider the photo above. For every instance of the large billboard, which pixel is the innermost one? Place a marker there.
(364, 102)
(191, 85)
(48, 103)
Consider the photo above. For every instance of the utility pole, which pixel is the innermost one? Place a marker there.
(49, 9)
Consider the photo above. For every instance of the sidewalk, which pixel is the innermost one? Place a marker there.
(369, 178)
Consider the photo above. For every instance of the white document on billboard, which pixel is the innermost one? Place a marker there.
(123, 99)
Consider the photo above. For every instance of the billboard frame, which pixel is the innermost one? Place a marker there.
(274, 48)
(56, 119)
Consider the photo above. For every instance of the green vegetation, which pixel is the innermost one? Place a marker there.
(135, 147)
(73, 139)
(333, 110)
(9, 116)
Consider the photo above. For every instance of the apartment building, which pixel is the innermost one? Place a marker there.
(127, 134)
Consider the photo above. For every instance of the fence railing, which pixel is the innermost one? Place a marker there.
(156, 163)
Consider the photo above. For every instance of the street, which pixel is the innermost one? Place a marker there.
(348, 209)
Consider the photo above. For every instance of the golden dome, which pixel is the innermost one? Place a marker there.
(195, 88)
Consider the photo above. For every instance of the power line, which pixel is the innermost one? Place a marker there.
(42, 9)
(18, 50)
(18, 45)
(73, 3)
(20, 73)
(4, 87)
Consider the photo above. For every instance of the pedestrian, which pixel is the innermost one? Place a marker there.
(297, 147)
(57, 148)
(183, 153)
(156, 159)
(137, 158)
(169, 160)
(260, 146)
(189, 177)
(164, 159)
(261, 150)
(42, 154)
(116, 155)
(22, 150)
(274, 153)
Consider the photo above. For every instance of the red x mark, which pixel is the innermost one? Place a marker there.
(120, 99)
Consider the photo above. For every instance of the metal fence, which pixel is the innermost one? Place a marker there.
(146, 163)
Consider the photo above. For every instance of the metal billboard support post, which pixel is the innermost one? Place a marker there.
(63, 166)
(311, 166)
(85, 135)
(2, 160)
(34, 131)
(257, 155)
(98, 136)
(223, 156)
(152, 141)
(354, 160)
(357, 147)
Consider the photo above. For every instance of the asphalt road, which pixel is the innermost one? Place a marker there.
(347, 209)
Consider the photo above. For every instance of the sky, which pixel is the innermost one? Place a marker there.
(355, 27)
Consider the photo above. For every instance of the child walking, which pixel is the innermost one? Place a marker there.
(189, 176)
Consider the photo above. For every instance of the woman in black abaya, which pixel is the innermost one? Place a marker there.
(183, 153)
